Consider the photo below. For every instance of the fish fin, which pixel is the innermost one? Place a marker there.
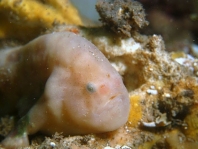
(18, 137)
(14, 140)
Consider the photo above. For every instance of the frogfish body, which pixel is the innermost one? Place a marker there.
(60, 82)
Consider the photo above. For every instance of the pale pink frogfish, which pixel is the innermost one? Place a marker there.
(60, 82)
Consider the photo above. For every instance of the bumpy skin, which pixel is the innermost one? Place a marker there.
(78, 90)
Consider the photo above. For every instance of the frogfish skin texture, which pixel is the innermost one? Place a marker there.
(60, 82)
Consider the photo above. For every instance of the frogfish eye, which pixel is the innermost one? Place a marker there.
(90, 87)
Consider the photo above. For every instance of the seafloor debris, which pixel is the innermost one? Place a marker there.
(122, 16)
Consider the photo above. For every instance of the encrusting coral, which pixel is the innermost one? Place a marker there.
(34, 17)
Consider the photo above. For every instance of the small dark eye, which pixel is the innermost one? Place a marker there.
(90, 87)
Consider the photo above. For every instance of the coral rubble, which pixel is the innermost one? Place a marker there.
(122, 17)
